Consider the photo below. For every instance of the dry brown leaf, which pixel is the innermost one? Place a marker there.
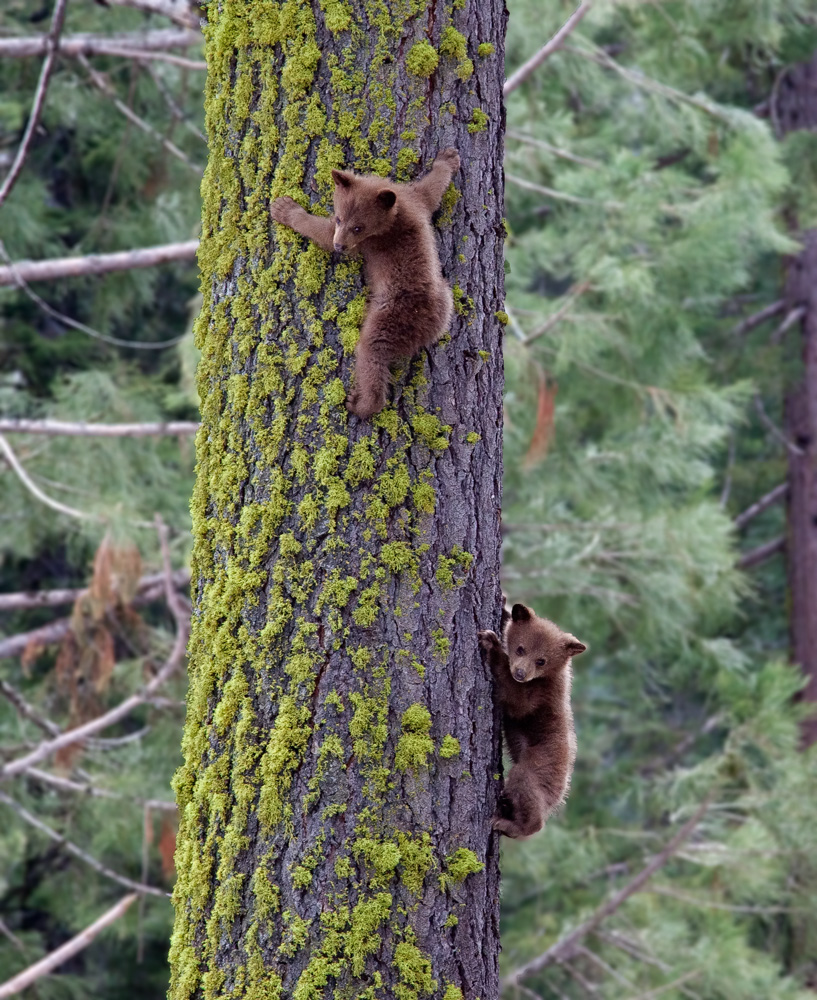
(543, 431)
(167, 846)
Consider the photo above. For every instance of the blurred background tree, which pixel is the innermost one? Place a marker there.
(657, 194)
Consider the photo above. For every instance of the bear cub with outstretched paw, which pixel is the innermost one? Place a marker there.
(531, 667)
(389, 224)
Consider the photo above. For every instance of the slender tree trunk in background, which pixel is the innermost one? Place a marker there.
(801, 429)
(795, 107)
(340, 745)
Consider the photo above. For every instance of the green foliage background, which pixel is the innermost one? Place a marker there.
(665, 211)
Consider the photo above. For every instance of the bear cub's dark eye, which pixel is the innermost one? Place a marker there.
(337, 220)
(520, 650)
(540, 663)
(357, 229)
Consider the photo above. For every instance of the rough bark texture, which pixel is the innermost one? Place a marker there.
(341, 752)
(794, 106)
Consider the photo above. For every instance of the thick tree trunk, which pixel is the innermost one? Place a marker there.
(340, 748)
(794, 106)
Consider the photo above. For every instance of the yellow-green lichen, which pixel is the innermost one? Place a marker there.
(450, 747)
(463, 304)
(502, 316)
(485, 49)
(449, 203)
(431, 430)
(453, 43)
(422, 59)
(447, 565)
(414, 745)
(472, 437)
(458, 866)
(479, 121)
(414, 971)
(442, 645)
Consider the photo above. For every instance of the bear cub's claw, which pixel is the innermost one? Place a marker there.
(284, 209)
(451, 158)
(488, 639)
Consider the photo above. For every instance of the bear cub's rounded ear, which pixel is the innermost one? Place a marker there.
(386, 198)
(520, 613)
(341, 179)
(573, 647)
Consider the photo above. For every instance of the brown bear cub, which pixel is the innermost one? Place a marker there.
(410, 304)
(531, 666)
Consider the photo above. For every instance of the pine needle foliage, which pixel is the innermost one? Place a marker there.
(651, 208)
(93, 183)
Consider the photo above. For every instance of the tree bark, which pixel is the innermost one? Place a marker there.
(794, 106)
(341, 753)
(801, 429)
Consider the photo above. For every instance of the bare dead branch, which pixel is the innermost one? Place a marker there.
(633, 949)
(77, 851)
(651, 994)
(104, 263)
(575, 293)
(713, 904)
(7, 932)
(756, 556)
(591, 956)
(757, 318)
(22, 284)
(92, 791)
(564, 154)
(766, 501)
(35, 490)
(774, 430)
(548, 192)
(536, 60)
(52, 42)
(67, 595)
(46, 635)
(588, 987)
(178, 114)
(595, 53)
(62, 428)
(141, 43)
(792, 317)
(48, 747)
(568, 946)
(102, 84)
(26, 710)
(65, 951)
(124, 708)
(145, 57)
(179, 11)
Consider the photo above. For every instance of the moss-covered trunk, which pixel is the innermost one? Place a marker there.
(340, 746)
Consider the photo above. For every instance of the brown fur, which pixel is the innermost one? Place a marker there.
(410, 304)
(531, 666)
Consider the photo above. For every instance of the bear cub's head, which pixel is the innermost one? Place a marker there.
(364, 207)
(536, 647)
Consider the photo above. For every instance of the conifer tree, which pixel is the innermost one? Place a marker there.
(340, 748)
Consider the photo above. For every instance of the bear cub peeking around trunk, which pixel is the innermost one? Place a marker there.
(531, 666)
(410, 304)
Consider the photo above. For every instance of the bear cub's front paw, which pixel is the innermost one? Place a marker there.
(451, 158)
(364, 404)
(488, 640)
(284, 210)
